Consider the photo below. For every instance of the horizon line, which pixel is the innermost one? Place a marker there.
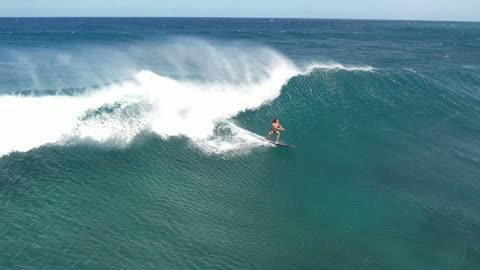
(238, 17)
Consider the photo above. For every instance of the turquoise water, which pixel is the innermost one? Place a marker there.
(136, 143)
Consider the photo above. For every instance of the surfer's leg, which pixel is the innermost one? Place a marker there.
(278, 136)
(268, 135)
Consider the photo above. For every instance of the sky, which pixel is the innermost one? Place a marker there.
(457, 10)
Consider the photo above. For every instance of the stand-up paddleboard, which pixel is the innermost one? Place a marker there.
(281, 144)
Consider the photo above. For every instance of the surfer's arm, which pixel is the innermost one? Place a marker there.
(280, 127)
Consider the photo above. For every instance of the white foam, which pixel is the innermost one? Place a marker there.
(169, 107)
(333, 65)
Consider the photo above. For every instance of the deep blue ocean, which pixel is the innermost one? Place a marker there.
(137, 143)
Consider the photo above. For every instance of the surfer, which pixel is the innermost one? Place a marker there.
(276, 127)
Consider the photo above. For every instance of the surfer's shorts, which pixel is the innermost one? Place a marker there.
(273, 131)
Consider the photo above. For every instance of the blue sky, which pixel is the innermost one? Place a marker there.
(361, 9)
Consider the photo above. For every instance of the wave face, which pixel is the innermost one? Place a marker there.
(137, 144)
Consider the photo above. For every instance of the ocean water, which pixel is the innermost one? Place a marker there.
(136, 143)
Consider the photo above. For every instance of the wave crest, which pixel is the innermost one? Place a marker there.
(337, 66)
